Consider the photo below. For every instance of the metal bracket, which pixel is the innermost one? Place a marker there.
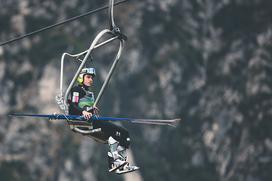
(115, 29)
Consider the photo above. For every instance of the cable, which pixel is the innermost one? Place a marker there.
(60, 23)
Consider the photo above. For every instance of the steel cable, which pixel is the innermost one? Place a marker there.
(60, 23)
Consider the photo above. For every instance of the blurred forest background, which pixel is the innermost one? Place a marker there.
(205, 61)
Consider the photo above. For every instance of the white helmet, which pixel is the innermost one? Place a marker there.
(85, 71)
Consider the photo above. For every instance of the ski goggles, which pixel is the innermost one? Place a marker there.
(88, 71)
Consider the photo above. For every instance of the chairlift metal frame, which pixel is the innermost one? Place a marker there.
(114, 34)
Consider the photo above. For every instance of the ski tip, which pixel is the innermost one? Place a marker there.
(174, 123)
(177, 120)
(13, 114)
(21, 115)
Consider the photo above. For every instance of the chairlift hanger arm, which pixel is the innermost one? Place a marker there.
(115, 29)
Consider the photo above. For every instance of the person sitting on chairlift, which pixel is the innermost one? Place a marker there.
(81, 102)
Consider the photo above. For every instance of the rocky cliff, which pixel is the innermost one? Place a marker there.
(208, 62)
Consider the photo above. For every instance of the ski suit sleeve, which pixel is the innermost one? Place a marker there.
(74, 100)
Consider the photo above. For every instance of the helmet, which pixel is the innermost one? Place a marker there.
(83, 72)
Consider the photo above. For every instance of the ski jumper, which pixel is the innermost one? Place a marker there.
(81, 98)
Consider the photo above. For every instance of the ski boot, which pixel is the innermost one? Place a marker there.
(125, 168)
(115, 160)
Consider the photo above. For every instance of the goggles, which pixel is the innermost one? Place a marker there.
(90, 71)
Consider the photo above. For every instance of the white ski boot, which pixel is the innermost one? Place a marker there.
(125, 168)
(115, 160)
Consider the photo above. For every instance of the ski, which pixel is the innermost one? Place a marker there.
(78, 119)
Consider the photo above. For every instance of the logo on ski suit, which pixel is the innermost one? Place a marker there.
(87, 101)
